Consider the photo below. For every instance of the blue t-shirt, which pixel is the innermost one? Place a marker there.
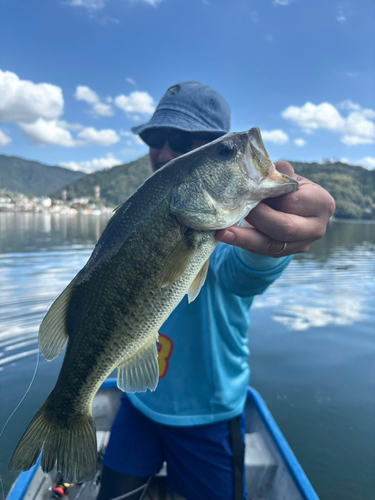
(203, 345)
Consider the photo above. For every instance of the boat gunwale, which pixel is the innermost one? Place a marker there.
(297, 473)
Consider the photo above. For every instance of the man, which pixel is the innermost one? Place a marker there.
(194, 419)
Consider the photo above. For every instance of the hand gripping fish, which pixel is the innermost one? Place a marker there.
(154, 250)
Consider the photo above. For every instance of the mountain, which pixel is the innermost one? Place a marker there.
(352, 187)
(33, 178)
(116, 183)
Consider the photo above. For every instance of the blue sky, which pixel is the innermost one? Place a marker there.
(76, 75)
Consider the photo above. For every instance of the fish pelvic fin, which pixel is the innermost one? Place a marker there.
(198, 282)
(141, 371)
(52, 332)
(70, 447)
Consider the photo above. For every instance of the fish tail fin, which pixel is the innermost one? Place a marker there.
(71, 447)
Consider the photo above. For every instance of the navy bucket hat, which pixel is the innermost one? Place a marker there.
(192, 107)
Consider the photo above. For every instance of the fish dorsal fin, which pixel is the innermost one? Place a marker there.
(198, 282)
(52, 332)
(177, 261)
(141, 371)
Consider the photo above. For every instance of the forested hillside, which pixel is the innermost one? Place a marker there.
(352, 187)
(116, 183)
(33, 178)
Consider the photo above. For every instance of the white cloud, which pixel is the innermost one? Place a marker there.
(95, 5)
(136, 102)
(105, 137)
(282, 2)
(276, 136)
(130, 80)
(299, 142)
(311, 117)
(84, 93)
(70, 126)
(91, 5)
(44, 132)
(353, 140)
(152, 2)
(366, 162)
(254, 17)
(349, 105)
(134, 137)
(355, 128)
(129, 151)
(341, 18)
(4, 139)
(93, 165)
(25, 101)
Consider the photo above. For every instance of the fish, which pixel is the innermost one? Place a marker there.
(154, 250)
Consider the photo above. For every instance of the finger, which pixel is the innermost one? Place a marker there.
(285, 168)
(310, 200)
(256, 242)
(285, 226)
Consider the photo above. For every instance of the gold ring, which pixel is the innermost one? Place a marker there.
(282, 250)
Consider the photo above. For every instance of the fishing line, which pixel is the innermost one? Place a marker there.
(141, 488)
(14, 411)
(19, 404)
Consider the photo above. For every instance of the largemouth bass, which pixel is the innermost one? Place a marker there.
(154, 250)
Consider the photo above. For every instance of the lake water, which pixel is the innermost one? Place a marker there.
(312, 342)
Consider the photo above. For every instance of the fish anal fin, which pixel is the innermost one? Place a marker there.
(177, 261)
(198, 282)
(141, 371)
(52, 332)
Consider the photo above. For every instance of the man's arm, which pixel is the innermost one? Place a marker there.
(297, 219)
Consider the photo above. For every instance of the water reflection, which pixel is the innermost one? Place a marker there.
(20, 232)
(29, 283)
(312, 340)
(342, 235)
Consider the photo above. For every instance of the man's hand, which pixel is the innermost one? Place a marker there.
(296, 219)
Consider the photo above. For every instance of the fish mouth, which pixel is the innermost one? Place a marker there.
(270, 182)
(282, 179)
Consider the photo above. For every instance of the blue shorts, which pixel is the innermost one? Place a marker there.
(199, 458)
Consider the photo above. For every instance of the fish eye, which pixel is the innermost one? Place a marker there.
(226, 149)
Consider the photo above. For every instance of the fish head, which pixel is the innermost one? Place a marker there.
(225, 180)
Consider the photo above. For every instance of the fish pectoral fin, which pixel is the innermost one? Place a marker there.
(52, 332)
(198, 282)
(177, 261)
(141, 371)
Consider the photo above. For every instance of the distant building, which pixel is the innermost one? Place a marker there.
(97, 192)
(45, 202)
(81, 201)
(63, 194)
